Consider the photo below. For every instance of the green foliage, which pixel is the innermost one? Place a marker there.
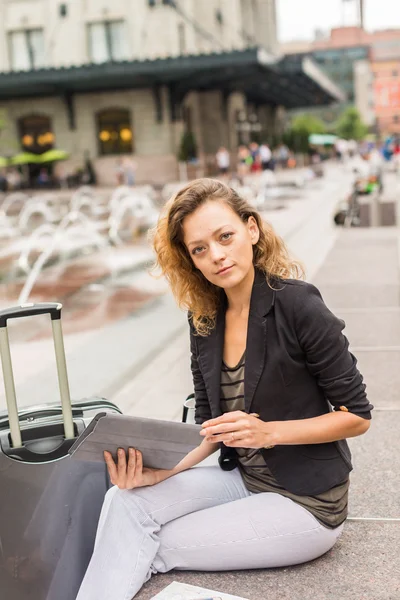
(296, 138)
(2, 119)
(350, 126)
(188, 148)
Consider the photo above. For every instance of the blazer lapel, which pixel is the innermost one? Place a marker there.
(211, 347)
(210, 358)
(262, 300)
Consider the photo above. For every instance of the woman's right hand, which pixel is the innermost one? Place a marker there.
(132, 474)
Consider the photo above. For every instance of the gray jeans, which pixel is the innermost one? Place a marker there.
(203, 519)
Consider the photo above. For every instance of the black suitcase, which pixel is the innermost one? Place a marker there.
(49, 503)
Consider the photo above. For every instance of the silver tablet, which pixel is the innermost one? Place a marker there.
(162, 443)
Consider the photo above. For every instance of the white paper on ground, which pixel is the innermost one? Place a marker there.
(184, 591)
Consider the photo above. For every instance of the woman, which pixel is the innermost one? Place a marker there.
(268, 360)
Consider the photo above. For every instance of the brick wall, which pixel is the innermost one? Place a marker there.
(387, 95)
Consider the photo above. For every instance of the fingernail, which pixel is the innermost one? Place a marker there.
(120, 451)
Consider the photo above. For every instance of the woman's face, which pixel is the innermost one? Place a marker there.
(220, 243)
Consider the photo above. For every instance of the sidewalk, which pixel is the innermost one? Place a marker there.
(360, 282)
(149, 375)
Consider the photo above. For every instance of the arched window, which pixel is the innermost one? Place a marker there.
(36, 133)
(114, 131)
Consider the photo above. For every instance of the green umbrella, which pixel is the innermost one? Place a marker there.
(323, 139)
(25, 158)
(53, 156)
(3, 162)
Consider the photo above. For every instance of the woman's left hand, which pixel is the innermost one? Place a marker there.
(238, 429)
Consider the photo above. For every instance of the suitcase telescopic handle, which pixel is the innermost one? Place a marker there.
(26, 310)
(31, 310)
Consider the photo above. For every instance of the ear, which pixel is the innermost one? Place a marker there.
(253, 230)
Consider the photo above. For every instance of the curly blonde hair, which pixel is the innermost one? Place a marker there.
(191, 289)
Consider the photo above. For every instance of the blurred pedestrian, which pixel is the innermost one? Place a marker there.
(244, 161)
(342, 149)
(62, 176)
(265, 157)
(223, 160)
(3, 181)
(43, 179)
(282, 155)
(396, 155)
(352, 148)
(119, 172)
(255, 155)
(89, 174)
(129, 169)
(14, 179)
(291, 161)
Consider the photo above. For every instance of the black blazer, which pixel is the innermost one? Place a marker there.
(298, 366)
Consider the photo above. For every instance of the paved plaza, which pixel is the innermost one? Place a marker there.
(360, 281)
(139, 358)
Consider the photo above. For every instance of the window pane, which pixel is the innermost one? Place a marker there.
(36, 133)
(114, 132)
(19, 53)
(119, 41)
(36, 41)
(98, 50)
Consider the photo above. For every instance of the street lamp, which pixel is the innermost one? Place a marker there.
(360, 11)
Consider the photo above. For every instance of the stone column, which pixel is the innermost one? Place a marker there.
(266, 115)
(236, 102)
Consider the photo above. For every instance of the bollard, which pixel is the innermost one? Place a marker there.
(397, 208)
(374, 204)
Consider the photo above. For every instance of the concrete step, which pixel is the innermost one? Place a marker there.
(362, 295)
(362, 257)
(376, 327)
(375, 481)
(363, 565)
(381, 372)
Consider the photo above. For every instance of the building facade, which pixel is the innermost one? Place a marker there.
(386, 83)
(385, 73)
(105, 80)
(45, 33)
(364, 92)
(365, 65)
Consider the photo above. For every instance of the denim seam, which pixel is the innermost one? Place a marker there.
(149, 516)
(256, 539)
(129, 596)
(167, 506)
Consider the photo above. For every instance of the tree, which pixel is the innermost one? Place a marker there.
(301, 128)
(350, 126)
(2, 119)
(187, 149)
(2, 124)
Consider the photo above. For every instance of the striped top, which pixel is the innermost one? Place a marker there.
(330, 508)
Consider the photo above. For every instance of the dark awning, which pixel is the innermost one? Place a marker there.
(263, 77)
